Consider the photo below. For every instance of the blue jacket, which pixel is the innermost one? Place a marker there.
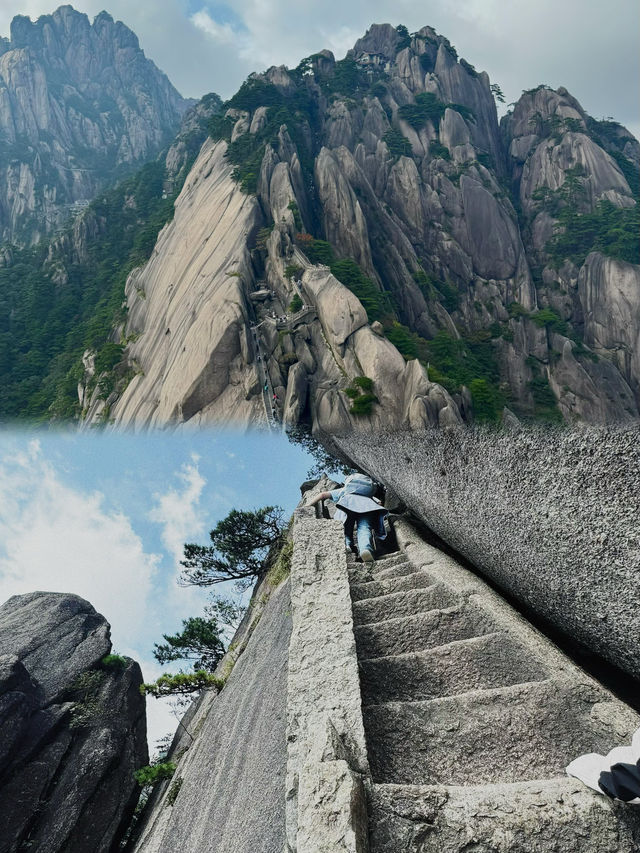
(357, 504)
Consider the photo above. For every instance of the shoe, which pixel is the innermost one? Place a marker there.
(366, 556)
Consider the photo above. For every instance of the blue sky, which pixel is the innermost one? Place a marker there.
(105, 516)
(589, 47)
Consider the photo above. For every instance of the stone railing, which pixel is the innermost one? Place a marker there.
(327, 767)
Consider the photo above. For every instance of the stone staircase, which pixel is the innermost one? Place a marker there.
(471, 716)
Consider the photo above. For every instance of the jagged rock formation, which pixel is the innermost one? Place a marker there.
(549, 516)
(79, 103)
(422, 714)
(195, 357)
(394, 156)
(73, 729)
(63, 285)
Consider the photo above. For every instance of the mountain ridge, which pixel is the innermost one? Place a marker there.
(79, 105)
(483, 257)
(393, 160)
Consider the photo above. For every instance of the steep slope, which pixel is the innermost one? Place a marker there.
(573, 179)
(195, 358)
(73, 727)
(65, 295)
(79, 104)
(503, 258)
(187, 309)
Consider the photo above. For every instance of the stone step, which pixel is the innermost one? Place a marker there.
(403, 603)
(508, 734)
(492, 660)
(559, 815)
(423, 631)
(392, 559)
(371, 589)
(397, 570)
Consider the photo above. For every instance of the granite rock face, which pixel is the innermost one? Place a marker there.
(549, 516)
(235, 801)
(395, 157)
(609, 293)
(196, 358)
(79, 103)
(189, 313)
(74, 730)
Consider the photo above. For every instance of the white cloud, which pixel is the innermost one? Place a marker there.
(60, 539)
(222, 33)
(179, 512)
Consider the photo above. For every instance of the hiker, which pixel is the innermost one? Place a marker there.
(358, 509)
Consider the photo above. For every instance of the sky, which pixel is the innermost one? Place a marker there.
(105, 516)
(589, 47)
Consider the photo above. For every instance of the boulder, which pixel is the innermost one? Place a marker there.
(74, 728)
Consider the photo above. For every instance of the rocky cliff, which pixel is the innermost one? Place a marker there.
(79, 104)
(73, 728)
(197, 357)
(405, 260)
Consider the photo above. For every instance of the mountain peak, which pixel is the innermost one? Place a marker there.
(380, 39)
(103, 16)
(90, 85)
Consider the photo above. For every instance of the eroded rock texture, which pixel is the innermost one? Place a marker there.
(395, 158)
(73, 729)
(79, 102)
(548, 515)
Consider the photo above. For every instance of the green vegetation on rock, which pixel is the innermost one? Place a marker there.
(376, 303)
(240, 546)
(151, 774)
(296, 111)
(199, 641)
(608, 229)
(398, 145)
(114, 662)
(360, 393)
(295, 304)
(181, 684)
(428, 107)
(52, 311)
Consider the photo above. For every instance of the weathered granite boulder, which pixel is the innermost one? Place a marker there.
(73, 728)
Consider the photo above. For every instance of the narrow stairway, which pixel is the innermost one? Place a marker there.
(459, 691)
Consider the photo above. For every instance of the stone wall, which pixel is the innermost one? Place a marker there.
(327, 766)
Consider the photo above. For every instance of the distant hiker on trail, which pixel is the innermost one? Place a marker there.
(357, 508)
